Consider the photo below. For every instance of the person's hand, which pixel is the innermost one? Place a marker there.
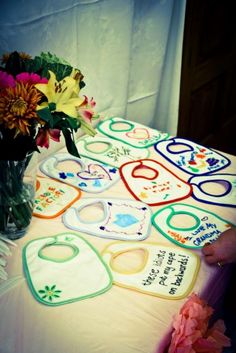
(223, 250)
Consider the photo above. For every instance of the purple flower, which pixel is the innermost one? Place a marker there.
(30, 78)
(6, 80)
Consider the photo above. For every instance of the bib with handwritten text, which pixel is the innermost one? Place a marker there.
(189, 226)
(130, 132)
(149, 181)
(191, 157)
(159, 270)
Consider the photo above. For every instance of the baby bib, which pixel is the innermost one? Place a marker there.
(191, 157)
(130, 132)
(227, 197)
(56, 281)
(121, 219)
(53, 197)
(166, 272)
(189, 226)
(93, 176)
(151, 182)
(106, 150)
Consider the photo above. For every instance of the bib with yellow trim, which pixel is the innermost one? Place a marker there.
(166, 272)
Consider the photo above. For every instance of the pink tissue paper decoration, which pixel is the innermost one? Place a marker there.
(191, 333)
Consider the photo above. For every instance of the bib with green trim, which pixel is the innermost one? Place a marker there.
(205, 189)
(53, 197)
(55, 279)
(107, 150)
(130, 132)
(121, 219)
(189, 226)
(152, 268)
(92, 177)
(191, 157)
(151, 182)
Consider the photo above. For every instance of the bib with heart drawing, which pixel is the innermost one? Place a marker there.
(225, 197)
(121, 219)
(151, 182)
(130, 132)
(189, 226)
(191, 157)
(92, 177)
(107, 150)
(57, 280)
(53, 197)
(152, 268)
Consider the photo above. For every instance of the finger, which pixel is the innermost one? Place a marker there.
(212, 260)
(208, 250)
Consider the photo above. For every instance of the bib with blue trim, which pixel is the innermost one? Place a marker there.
(130, 132)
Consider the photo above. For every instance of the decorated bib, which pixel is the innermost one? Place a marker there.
(162, 271)
(130, 132)
(57, 280)
(53, 197)
(106, 150)
(151, 182)
(92, 177)
(191, 157)
(202, 190)
(189, 226)
(121, 219)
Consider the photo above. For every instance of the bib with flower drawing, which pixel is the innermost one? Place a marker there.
(119, 219)
(151, 182)
(53, 197)
(218, 189)
(152, 268)
(189, 226)
(107, 150)
(64, 268)
(92, 176)
(191, 157)
(130, 132)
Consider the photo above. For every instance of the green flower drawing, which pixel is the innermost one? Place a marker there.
(50, 293)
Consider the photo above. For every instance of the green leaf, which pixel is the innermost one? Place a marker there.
(70, 145)
(45, 115)
(74, 123)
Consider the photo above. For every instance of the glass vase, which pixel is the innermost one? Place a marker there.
(17, 194)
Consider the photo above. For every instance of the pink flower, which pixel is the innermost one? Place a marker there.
(30, 78)
(85, 110)
(6, 80)
(44, 135)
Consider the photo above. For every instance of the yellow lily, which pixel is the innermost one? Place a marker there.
(63, 94)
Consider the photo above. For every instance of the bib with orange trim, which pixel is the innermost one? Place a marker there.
(151, 182)
(130, 132)
(162, 271)
(191, 157)
(53, 197)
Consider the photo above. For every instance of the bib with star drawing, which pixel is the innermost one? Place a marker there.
(189, 226)
(64, 268)
(120, 218)
(152, 268)
(218, 189)
(191, 157)
(107, 150)
(53, 197)
(149, 181)
(130, 132)
(91, 176)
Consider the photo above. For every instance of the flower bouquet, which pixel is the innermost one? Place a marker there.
(39, 101)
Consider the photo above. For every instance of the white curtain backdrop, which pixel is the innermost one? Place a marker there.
(128, 50)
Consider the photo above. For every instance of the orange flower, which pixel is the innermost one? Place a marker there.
(18, 108)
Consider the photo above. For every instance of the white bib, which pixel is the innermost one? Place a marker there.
(107, 150)
(130, 132)
(53, 197)
(152, 183)
(93, 177)
(163, 271)
(191, 157)
(193, 226)
(54, 280)
(121, 219)
(227, 197)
